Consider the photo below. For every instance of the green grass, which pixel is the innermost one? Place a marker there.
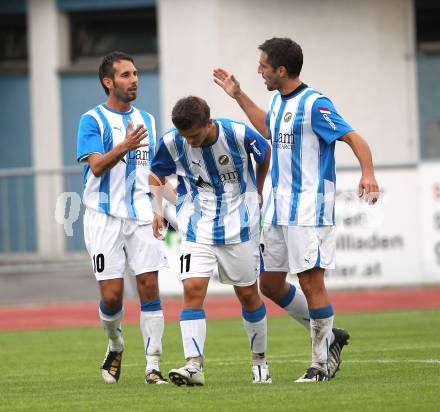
(391, 364)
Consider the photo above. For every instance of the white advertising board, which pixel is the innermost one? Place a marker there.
(430, 220)
(377, 245)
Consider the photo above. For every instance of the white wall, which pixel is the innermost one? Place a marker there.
(359, 53)
(43, 21)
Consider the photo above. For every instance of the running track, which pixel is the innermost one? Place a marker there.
(85, 314)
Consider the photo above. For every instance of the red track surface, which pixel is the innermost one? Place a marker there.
(85, 314)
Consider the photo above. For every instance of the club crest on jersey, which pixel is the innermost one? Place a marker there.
(325, 114)
(288, 117)
(223, 160)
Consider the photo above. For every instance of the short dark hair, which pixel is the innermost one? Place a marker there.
(284, 52)
(189, 112)
(106, 68)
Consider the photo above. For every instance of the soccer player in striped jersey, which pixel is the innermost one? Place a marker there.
(117, 143)
(218, 211)
(303, 126)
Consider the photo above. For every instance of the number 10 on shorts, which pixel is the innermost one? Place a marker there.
(98, 263)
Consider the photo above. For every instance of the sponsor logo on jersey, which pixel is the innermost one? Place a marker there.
(140, 157)
(228, 177)
(285, 140)
(254, 148)
(325, 114)
(223, 160)
(288, 117)
(197, 162)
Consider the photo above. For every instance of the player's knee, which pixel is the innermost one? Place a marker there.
(248, 297)
(194, 294)
(112, 300)
(148, 287)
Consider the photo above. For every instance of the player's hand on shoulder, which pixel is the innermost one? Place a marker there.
(134, 136)
(227, 82)
(369, 189)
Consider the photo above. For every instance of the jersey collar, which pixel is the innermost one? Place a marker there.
(298, 90)
(115, 111)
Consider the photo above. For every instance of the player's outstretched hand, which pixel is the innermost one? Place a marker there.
(369, 189)
(158, 227)
(133, 138)
(227, 82)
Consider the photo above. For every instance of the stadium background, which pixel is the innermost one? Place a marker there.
(378, 61)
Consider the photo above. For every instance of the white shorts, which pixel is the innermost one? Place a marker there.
(113, 243)
(296, 249)
(238, 264)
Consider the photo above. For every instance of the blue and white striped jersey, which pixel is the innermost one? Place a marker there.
(304, 126)
(217, 200)
(123, 191)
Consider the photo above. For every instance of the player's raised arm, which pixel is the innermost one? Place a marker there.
(101, 163)
(231, 86)
(368, 187)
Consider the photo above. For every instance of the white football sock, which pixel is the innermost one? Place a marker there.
(257, 334)
(152, 326)
(321, 334)
(295, 304)
(112, 329)
(255, 324)
(193, 328)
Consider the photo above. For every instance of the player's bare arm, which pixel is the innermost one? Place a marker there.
(158, 185)
(368, 187)
(101, 163)
(261, 173)
(169, 192)
(231, 86)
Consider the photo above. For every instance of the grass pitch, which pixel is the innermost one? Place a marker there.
(391, 364)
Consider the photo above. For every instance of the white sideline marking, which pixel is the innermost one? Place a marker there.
(282, 359)
(415, 347)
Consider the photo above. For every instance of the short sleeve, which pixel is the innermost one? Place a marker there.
(255, 144)
(89, 138)
(326, 121)
(163, 164)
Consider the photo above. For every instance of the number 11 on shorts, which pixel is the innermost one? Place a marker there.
(188, 260)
